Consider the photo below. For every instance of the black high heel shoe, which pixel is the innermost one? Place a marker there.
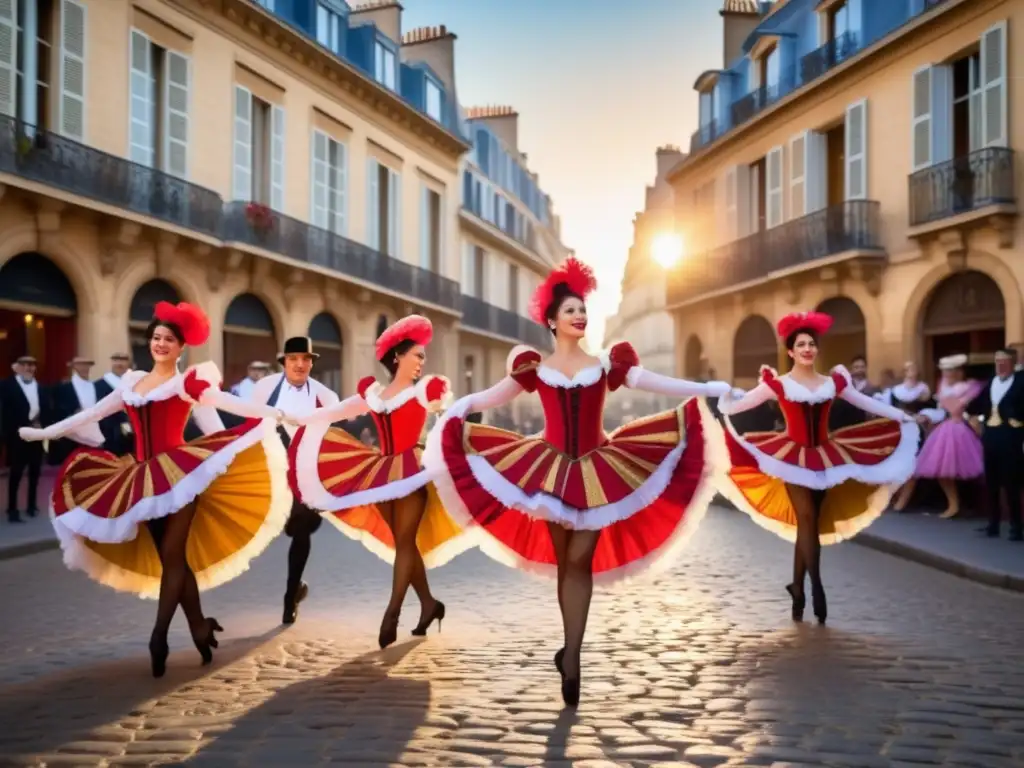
(207, 640)
(158, 652)
(819, 602)
(437, 613)
(571, 691)
(291, 603)
(799, 601)
(388, 631)
(559, 658)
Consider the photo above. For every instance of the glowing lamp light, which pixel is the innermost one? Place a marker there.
(667, 250)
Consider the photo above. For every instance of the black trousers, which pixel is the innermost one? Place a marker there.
(22, 456)
(1004, 470)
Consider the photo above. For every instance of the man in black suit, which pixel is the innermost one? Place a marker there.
(69, 397)
(998, 414)
(22, 404)
(844, 414)
(117, 429)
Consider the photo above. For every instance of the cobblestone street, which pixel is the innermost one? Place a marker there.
(701, 667)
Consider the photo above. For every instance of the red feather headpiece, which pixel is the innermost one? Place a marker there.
(193, 322)
(818, 322)
(578, 278)
(415, 328)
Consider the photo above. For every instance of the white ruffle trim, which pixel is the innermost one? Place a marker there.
(548, 508)
(312, 492)
(77, 524)
(897, 468)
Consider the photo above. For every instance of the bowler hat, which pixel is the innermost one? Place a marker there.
(298, 345)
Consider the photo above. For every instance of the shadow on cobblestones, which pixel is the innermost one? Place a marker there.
(356, 712)
(93, 703)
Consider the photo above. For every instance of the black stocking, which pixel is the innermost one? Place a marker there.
(560, 541)
(421, 587)
(807, 558)
(405, 522)
(298, 554)
(171, 538)
(577, 588)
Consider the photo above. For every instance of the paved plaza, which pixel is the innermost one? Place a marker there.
(701, 667)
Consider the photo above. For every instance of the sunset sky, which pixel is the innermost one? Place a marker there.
(598, 86)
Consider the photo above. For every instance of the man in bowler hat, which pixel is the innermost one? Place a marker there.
(297, 394)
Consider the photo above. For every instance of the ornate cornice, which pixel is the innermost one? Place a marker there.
(254, 21)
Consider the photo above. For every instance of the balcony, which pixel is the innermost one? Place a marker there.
(55, 161)
(835, 51)
(273, 231)
(763, 97)
(840, 229)
(482, 316)
(704, 135)
(979, 182)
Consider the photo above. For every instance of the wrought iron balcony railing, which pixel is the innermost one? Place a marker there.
(704, 135)
(265, 228)
(760, 98)
(477, 313)
(963, 184)
(48, 158)
(848, 226)
(835, 51)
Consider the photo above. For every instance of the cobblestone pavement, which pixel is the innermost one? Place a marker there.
(701, 667)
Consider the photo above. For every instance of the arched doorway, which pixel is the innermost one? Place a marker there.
(38, 310)
(140, 314)
(965, 314)
(754, 346)
(848, 335)
(326, 335)
(693, 367)
(249, 335)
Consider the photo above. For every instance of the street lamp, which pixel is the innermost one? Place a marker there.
(667, 249)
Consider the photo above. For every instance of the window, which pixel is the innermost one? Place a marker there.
(838, 20)
(430, 230)
(468, 364)
(769, 68)
(328, 28)
(384, 65)
(158, 115)
(38, 49)
(433, 100)
(835, 180)
(707, 108)
(758, 195)
(258, 150)
(479, 271)
(513, 288)
(967, 104)
(330, 173)
(384, 194)
(268, 4)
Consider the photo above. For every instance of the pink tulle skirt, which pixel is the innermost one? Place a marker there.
(953, 450)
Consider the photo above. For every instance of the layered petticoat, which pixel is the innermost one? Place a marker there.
(236, 480)
(952, 451)
(332, 471)
(859, 467)
(646, 489)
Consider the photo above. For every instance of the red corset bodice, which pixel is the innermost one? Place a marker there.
(806, 423)
(573, 410)
(401, 418)
(158, 425)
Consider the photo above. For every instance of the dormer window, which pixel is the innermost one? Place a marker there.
(329, 27)
(384, 64)
(837, 20)
(433, 100)
(768, 67)
(707, 107)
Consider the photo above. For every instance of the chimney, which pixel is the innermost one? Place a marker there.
(434, 46)
(668, 157)
(502, 120)
(386, 14)
(739, 19)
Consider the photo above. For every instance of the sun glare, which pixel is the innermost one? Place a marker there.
(667, 249)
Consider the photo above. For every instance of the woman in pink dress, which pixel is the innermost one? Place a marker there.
(204, 508)
(953, 450)
(573, 502)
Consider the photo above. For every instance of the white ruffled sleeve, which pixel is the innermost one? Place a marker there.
(736, 401)
(83, 427)
(502, 393)
(348, 408)
(200, 385)
(869, 404)
(647, 381)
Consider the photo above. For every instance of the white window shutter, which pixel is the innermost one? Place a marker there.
(731, 207)
(72, 70)
(241, 180)
(468, 280)
(277, 158)
(320, 180)
(816, 171)
(773, 188)
(340, 190)
(857, 150)
(176, 125)
(921, 119)
(441, 234)
(744, 223)
(9, 57)
(942, 113)
(394, 214)
(798, 154)
(142, 117)
(373, 211)
(424, 226)
(994, 114)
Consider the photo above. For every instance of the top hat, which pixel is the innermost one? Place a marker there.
(298, 345)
